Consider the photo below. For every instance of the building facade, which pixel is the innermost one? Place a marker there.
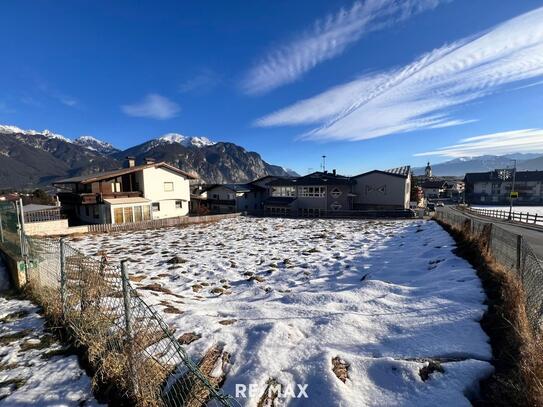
(131, 194)
(326, 194)
(495, 187)
(385, 190)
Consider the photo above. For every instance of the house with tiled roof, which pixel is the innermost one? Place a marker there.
(134, 193)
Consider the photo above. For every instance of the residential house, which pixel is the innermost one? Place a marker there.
(312, 195)
(495, 187)
(225, 198)
(131, 194)
(382, 190)
(434, 189)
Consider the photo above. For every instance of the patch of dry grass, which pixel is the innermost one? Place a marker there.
(517, 350)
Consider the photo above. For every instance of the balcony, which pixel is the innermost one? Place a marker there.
(91, 198)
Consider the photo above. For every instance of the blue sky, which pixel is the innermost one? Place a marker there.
(372, 84)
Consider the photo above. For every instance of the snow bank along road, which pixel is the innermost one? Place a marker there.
(355, 310)
(34, 367)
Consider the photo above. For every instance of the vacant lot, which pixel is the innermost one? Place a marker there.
(364, 312)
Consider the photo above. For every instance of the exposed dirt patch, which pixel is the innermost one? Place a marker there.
(172, 310)
(430, 368)
(188, 337)
(227, 321)
(340, 368)
(270, 394)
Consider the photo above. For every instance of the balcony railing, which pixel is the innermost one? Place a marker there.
(88, 198)
(43, 215)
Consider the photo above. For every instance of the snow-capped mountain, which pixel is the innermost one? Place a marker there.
(7, 129)
(94, 144)
(460, 166)
(30, 158)
(186, 141)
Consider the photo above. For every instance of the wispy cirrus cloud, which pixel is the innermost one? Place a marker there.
(328, 38)
(153, 106)
(425, 93)
(514, 141)
(202, 82)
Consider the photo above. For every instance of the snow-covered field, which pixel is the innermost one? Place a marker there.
(34, 368)
(295, 299)
(519, 209)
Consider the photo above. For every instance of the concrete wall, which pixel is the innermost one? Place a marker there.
(53, 228)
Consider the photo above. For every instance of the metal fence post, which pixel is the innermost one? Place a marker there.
(128, 323)
(63, 277)
(519, 254)
(1, 229)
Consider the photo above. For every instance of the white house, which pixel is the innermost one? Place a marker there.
(131, 194)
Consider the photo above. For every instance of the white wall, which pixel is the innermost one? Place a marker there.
(153, 188)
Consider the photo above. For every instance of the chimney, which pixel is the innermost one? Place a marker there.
(334, 172)
(149, 160)
(130, 162)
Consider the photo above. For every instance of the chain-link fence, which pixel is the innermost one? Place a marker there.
(128, 344)
(510, 250)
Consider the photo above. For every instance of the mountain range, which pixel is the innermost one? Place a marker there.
(30, 158)
(460, 166)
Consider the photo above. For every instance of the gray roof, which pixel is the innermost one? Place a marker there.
(86, 179)
(316, 178)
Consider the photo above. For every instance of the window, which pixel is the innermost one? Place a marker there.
(128, 214)
(335, 192)
(137, 214)
(312, 192)
(156, 206)
(146, 212)
(95, 212)
(178, 204)
(283, 191)
(215, 196)
(168, 186)
(118, 214)
(87, 211)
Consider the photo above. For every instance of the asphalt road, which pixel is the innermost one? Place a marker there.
(532, 234)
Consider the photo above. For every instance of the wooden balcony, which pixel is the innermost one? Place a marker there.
(90, 198)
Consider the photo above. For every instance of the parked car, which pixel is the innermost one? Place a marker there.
(431, 207)
(440, 204)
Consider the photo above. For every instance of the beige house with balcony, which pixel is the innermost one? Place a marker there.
(131, 194)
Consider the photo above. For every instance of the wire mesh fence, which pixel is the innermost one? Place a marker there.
(511, 251)
(128, 344)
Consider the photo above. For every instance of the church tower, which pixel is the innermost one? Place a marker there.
(428, 170)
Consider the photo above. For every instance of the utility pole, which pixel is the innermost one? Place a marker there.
(512, 189)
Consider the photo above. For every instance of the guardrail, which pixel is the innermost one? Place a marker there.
(527, 217)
